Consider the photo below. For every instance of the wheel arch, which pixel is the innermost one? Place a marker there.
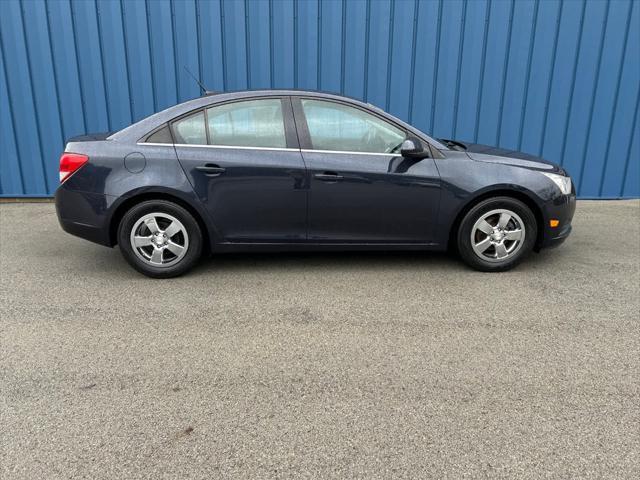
(524, 196)
(139, 197)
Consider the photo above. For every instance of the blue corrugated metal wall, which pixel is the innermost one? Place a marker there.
(556, 78)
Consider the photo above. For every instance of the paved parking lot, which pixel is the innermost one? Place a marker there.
(323, 365)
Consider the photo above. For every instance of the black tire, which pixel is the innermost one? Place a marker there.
(464, 240)
(193, 234)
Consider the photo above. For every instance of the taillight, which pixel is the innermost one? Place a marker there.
(69, 163)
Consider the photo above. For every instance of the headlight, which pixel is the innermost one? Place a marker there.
(562, 182)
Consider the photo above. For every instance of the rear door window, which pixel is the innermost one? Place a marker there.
(252, 123)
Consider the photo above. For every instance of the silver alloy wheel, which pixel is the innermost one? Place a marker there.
(497, 235)
(159, 239)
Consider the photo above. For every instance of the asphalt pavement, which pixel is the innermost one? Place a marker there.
(320, 365)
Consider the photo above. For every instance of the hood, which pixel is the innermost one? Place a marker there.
(486, 153)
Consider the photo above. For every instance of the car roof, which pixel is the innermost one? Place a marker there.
(137, 130)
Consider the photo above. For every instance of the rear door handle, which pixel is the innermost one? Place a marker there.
(211, 169)
(328, 176)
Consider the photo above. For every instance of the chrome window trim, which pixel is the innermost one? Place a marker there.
(346, 152)
(235, 147)
(277, 149)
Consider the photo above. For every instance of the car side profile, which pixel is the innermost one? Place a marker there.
(281, 170)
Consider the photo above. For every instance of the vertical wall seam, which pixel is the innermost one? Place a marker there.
(319, 48)
(271, 66)
(485, 38)
(77, 58)
(367, 30)
(223, 44)
(199, 44)
(412, 74)
(175, 50)
(11, 115)
(151, 62)
(551, 76)
(343, 45)
(615, 100)
(525, 98)
(434, 86)
(126, 60)
(593, 96)
(463, 26)
(36, 117)
(295, 44)
(392, 9)
(505, 72)
(628, 156)
(102, 69)
(55, 74)
(573, 83)
(247, 44)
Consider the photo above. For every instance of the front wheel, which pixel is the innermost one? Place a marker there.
(160, 239)
(497, 234)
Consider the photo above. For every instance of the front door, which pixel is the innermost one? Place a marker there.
(243, 161)
(361, 189)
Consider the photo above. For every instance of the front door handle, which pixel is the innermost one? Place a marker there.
(328, 176)
(211, 169)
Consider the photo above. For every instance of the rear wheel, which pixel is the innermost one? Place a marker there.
(497, 234)
(160, 239)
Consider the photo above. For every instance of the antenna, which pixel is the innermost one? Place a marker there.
(202, 87)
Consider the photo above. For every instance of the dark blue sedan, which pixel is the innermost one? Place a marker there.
(279, 170)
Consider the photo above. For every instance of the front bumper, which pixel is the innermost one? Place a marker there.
(562, 209)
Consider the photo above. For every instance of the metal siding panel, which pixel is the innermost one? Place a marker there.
(10, 173)
(540, 74)
(424, 69)
(378, 63)
(307, 44)
(114, 59)
(584, 88)
(564, 72)
(354, 48)
(19, 87)
(625, 112)
(185, 31)
(282, 43)
(446, 81)
(162, 53)
(605, 97)
(136, 39)
(331, 46)
(211, 46)
(89, 50)
(471, 63)
(259, 44)
(235, 45)
(45, 91)
(494, 71)
(513, 94)
(400, 59)
(543, 77)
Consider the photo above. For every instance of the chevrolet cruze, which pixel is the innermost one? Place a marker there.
(281, 170)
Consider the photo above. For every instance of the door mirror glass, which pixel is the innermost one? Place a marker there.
(413, 148)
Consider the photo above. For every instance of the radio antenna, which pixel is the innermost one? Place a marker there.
(202, 87)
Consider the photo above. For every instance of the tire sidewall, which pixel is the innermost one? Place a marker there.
(464, 233)
(161, 206)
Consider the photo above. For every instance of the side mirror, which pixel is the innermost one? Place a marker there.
(412, 148)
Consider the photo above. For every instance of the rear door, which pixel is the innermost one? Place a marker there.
(245, 165)
(361, 189)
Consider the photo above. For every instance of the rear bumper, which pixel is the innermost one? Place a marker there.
(84, 214)
(562, 209)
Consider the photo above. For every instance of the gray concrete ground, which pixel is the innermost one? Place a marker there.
(320, 366)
